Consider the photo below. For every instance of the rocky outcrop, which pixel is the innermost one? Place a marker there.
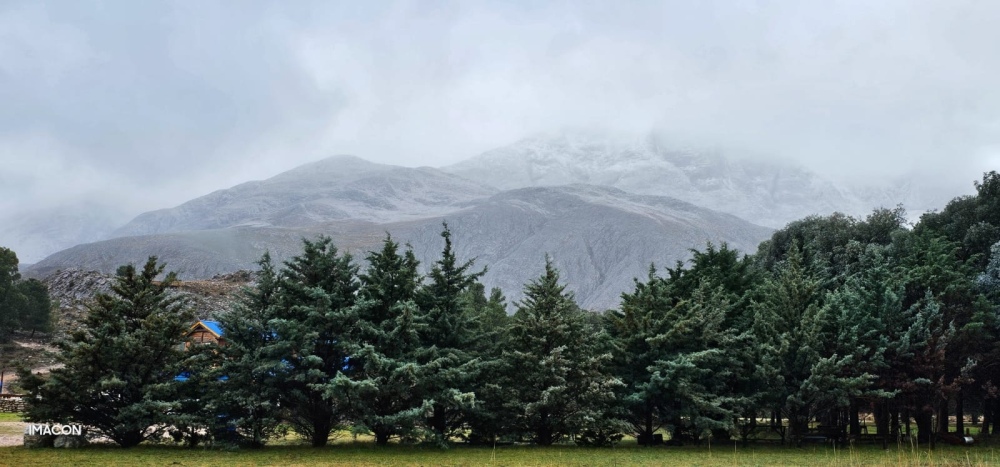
(75, 289)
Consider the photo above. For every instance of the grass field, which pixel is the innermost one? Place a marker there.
(367, 454)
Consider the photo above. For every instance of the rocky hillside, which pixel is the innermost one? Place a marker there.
(600, 237)
(74, 289)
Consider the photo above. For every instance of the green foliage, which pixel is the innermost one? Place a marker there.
(559, 380)
(791, 327)
(314, 319)
(24, 304)
(245, 389)
(384, 367)
(118, 378)
(447, 341)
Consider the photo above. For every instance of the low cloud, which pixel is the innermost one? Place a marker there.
(158, 102)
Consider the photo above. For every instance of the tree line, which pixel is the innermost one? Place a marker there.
(830, 318)
(24, 303)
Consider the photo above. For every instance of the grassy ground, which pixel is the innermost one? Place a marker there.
(367, 454)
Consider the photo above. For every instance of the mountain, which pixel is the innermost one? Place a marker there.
(766, 193)
(343, 187)
(600, 237)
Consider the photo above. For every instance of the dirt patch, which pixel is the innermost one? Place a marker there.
(37, 354)
(11, 433)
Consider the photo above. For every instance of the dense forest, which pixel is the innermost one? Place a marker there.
(831, 318)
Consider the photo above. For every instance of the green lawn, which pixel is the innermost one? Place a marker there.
(367, 454)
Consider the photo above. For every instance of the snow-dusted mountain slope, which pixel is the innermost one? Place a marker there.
(765, 193)
(342, 187)
(600, 238)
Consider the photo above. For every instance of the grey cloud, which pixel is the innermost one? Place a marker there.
(168, 100)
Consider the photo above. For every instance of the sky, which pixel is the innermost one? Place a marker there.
(146, 104)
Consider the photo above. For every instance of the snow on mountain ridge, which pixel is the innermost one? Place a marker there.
(767, 193)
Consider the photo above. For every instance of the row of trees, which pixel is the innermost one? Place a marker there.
(831, 317)
(24, 303)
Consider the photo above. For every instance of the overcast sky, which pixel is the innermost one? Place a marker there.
(152, 103)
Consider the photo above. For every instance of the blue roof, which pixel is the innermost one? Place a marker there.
(213, 326)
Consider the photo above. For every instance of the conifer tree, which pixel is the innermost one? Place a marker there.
(382, 388)
(489, 419)
(314, 323)
(638, 321)
(36, 314)
(791, 326)
(120, 366)
(559, 380)
(11, 298)
(246, 386)
(447, 340)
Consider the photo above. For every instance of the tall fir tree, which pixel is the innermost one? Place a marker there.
(246, 388)
(558, 376)
(118, 378)
(791, 326)
(382, 388)
(315, 323)
(447, 342)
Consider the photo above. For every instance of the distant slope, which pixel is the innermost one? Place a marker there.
(342, 187)
(599, 237)
(769, 194)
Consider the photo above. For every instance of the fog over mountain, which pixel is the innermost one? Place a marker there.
(768, 193)
(601, 237)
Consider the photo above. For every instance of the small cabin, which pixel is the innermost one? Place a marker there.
(206, 332)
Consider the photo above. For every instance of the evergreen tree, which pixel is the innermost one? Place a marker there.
(120, 366)
(246, 387)
(791, 326)
(638, 321)
(382, 388)
(36, 314)
(447, 340)
(488, 419)
(691, 374)
(12, 301)
(315, 321)
(558, 376)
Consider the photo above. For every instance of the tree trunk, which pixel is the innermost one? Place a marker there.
(924, 426)
(942, 416)
(381, 437)
(854, 412)
(321, 433)
(906, 417)
(439, 421)
(987, 417)
(960, 413)
(543, 433)
(893, 420)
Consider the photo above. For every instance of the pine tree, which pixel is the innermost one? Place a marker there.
(791, 326)
(36, 314)
(488, 420)
(632, 327)
(120, 366)
(382, 388)
(691, 374)
(447, 340)
(559, 382)
(245, 388)
(11, 298)
(314, 322)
